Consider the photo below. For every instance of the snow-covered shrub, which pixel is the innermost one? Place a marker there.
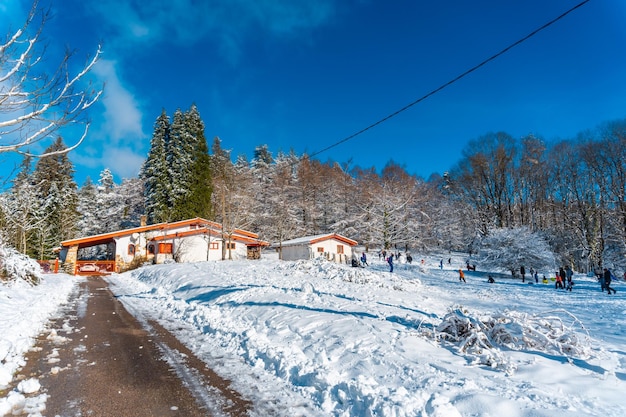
(509, 249)
(14, 266)
(483, 336)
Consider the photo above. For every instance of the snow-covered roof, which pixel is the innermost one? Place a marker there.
(309, 240)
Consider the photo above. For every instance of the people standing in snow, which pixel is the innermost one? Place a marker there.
(559, 281)
(568, 274)
(461, 276)
(390, 262)
(355, 261)
(441, 264)
(537, 278)
(607, 281)
(364, 259)
(522, 271)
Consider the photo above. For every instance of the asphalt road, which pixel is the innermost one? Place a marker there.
(99, 361)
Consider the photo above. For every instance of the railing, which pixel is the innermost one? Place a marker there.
(49, 266)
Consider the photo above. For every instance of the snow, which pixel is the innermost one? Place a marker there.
(25, 310)
(316, 338)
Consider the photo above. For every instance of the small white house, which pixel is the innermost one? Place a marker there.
(190, 240)
(332, 246)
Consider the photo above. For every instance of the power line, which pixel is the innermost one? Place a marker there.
(452, 81)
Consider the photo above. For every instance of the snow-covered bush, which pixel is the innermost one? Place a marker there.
(483, 336)
(509, 249)
(14, 266)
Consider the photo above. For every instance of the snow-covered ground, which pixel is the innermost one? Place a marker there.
(25, 311)
(320, 339)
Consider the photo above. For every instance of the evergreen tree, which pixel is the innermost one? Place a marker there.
(110, 209)
(179, 163)
(154, 173)
(88, 209)
(177, 173)
(19, 209)
(130, 198)
(57, 198)
(199, 189)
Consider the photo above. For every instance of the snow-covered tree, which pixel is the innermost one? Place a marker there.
(154, 172)
(36, 103)
(88, 209)
(131, 199)
(57, 198)
(509, 249)
(177, 172)
(198, 199)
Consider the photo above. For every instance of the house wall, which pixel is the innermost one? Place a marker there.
(310, 251)
(194, 249)
(296, 252)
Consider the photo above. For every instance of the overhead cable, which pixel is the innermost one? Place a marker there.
(452, 81)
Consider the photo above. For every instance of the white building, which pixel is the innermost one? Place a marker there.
(332, 246)
(190, 240)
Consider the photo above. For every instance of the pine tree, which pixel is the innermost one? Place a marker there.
(57, 199)
(154, 173)
(177, 172)
(19, 209)
(131, 199)
(199, 189)
(109, 208)
(179, 163)
(88, 209)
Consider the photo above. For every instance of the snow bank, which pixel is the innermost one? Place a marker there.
(25, 309)
(17, 266)
(319, 338)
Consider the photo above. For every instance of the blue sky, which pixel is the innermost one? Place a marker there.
(302, 75)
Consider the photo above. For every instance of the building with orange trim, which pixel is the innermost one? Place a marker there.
(190, 240)
(332, 246)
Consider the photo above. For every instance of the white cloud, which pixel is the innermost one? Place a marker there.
(116, 139)
(122, 117)
(123, 162)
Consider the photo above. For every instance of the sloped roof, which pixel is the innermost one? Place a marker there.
(198, 221)
(310, 240)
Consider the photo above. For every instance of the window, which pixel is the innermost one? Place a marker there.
(214, 245)
(320, 249)
(131, 249)
(165, 248)
(339, 248)
(230, 246)
(151, 249)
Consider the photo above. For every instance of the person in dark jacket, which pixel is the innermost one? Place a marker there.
(522, 271)
(607, 281)
(390, 262)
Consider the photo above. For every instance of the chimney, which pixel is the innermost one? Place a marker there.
(143, 220)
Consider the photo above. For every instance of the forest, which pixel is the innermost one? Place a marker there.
(569, 194)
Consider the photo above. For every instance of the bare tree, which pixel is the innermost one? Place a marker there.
(35, 103)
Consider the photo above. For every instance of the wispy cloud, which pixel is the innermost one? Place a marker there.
(116, 140)
(229, 22)
(122, 117)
